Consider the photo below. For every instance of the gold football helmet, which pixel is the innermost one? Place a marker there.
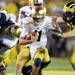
(38, 10)
(31, 3)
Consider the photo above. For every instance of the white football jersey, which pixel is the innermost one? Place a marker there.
(12, 17)
(24, 12)
(30, 26)
(10, 42)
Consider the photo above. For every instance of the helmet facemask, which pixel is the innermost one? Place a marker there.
(67, 16)
(31, 3)
(39, 12)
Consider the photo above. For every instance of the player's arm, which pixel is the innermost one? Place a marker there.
(27, 39)
(69, 34)
(66, 34)
(23, 41)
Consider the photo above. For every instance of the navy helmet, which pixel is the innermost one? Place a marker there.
(2, 19)
(69, 13)
(5, 20)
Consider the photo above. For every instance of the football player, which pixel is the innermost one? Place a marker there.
(5, 27)
(35, 48)
(25, 11)
(69, 18)
(8, 36)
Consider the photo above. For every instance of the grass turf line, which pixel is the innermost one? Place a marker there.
(54, 73)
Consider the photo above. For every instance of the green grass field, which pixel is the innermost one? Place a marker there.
(58, 66)
(54, 73)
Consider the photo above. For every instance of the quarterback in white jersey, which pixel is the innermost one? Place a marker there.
(37, 44)
(41, 28)
(36, 47)
(33, 46)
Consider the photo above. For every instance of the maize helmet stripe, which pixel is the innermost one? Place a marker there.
(69, 7)
(72, 6)
(69, 3)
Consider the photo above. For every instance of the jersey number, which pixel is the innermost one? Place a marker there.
(39, 37)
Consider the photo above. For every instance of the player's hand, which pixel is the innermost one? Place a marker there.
(56, 33)
(33, 38)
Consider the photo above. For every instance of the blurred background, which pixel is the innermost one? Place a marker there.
(54, 7)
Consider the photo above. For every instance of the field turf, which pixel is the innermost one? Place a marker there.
(58, 66)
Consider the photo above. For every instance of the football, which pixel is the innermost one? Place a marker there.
(28, 37)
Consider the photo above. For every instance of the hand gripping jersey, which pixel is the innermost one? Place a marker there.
(30, 26)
